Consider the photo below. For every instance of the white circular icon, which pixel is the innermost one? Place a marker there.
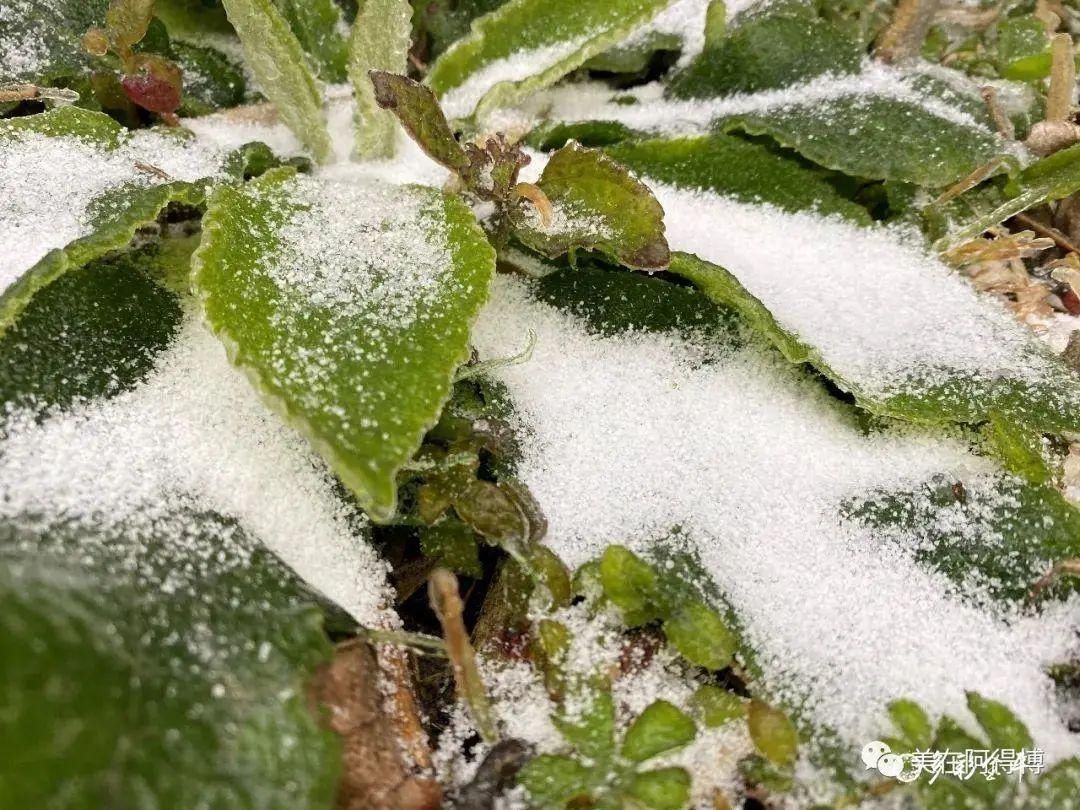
(872, 752)
(890, 765)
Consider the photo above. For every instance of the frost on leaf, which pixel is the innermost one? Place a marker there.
(277, 59)
(150, 513)
(350, 307)
(79, 186)
(528, 44)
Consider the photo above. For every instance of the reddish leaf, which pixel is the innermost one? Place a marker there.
(155, 84)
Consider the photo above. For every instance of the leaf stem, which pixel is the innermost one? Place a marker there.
(446, 602)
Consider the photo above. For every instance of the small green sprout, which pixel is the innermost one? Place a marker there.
(604, 775)
(693, 628)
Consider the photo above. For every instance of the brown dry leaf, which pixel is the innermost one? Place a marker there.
(995, 266)
(368, 703)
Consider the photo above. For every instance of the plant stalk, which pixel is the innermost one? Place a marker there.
(903, 37)
(447, 604)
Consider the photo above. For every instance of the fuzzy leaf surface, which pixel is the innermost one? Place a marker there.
(361, 363)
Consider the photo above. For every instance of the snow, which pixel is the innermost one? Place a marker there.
(194, 437)
(628, 437)
(684, 19)
(654, 114)
(22, 55)
(55, 182)
(460, 101)
(361, 246)
(885, 314)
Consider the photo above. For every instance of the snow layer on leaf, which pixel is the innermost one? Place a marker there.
(194, 438)
(631, 436)
(53, 182)
(21, 55)
(885, 315)
(684, 19)
(462, 100)
(652, 113)
(337, 252)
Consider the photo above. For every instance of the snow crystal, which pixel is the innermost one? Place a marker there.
(362, 245)
(22, 55)
(628, 437)
(193, 437)
(884, 314)
(460, 101)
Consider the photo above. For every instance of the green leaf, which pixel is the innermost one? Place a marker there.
(1056, 787)
(661, 789)
(630, 584)
(735, 167)
(1023, 49)
(490, 511)
(552, 780)
(717, 706)
(596, 205)
(526, 45)
(1014, 531)
(592, 732)
(194, 20)
(870, 137)
(277, 59)
(773, 733)
(1003, 728)
(1033, 388)
(725, 290)
(357, 346)
(451, 544)
(211, 81)
(440, 25)
(94, 332)
(416, 107)
(660, 728)
(912, 721)
(1020, 450)
(613, 302)
(700, 636)
(779, 45)
(317, 26)
(159, 666)
(380, 41)
(107, 216)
